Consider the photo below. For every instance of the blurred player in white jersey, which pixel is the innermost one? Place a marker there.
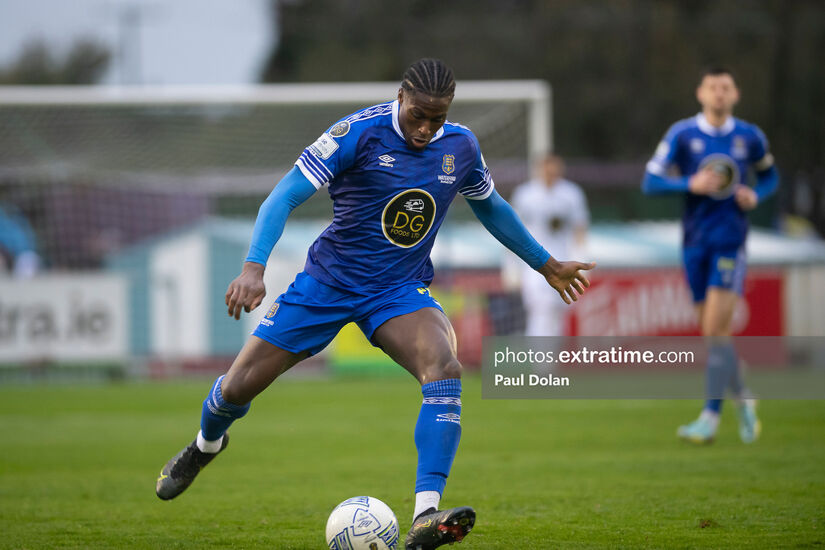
(554, 210)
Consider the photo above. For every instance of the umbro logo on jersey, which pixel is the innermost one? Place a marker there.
(386, 160)
(697, 146)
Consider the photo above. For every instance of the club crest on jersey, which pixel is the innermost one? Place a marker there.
(448, 164)
(448, 167)
(739, 149)
(340, 129)
(408, 217)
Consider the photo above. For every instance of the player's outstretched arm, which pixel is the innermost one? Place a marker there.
(247, 291)
(499, 218)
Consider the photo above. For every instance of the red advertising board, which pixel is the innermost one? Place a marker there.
(658, 302)
(619, 302)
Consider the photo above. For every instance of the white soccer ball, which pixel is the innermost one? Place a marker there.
(362, 523)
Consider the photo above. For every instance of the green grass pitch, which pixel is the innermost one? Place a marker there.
(78, 466)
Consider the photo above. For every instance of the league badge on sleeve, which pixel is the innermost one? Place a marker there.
(340, 129)
(324, 146)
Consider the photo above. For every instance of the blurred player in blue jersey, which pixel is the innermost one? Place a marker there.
(708, 158)
(392, 171)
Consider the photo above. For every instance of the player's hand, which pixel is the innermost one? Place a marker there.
(746, 198)
(705, 182)
(247, 291)
(567, 278)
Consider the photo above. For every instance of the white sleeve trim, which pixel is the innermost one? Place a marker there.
(309, 175)
(485, 195)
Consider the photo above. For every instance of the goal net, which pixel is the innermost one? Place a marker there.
(89, 175)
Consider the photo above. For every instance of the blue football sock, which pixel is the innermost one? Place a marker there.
(735, 382)
(722, 367)
(437, 433)
(714, 405)
(218, 414)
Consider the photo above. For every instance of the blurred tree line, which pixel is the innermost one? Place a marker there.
(621, 70)
(38, 63)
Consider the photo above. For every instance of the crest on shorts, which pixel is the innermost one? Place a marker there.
(340, 129)
(273, 310)
(448, 164)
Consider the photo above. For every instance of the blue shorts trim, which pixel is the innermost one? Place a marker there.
(707, 267)
(310, 313)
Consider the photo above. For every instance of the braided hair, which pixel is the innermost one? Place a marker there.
(429, 76)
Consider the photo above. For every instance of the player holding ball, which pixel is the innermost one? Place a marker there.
(707, 158)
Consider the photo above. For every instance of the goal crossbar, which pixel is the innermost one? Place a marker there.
(537, 94)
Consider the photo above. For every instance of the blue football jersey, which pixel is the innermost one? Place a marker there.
(732, 149)
(388, 199)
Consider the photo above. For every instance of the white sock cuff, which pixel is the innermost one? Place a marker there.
(426, 500)
(207, 446)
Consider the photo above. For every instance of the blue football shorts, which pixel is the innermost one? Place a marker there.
(722, 267)
(310, 313)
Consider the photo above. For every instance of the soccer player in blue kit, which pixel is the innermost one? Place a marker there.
(711, 154)
(391, 170)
